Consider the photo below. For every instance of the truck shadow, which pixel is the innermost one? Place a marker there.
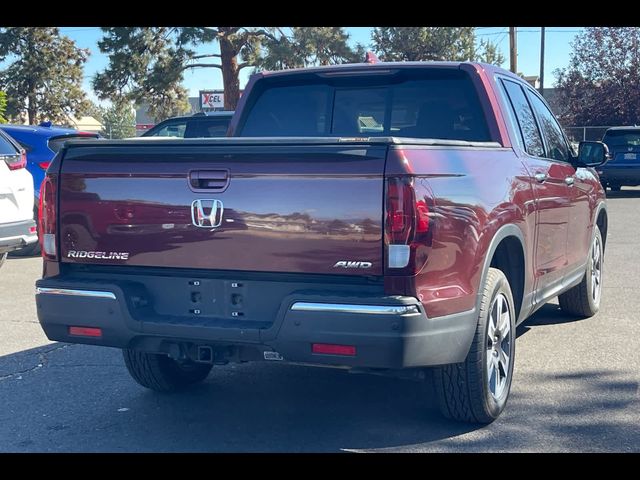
(549, 314)
(81, 399)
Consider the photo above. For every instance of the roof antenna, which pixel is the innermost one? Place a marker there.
(370, 57)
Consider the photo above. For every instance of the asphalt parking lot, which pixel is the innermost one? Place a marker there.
(576, 387)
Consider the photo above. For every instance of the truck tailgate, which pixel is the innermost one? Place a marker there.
(226, 204)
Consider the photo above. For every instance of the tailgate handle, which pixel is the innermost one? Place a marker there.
(209, 179)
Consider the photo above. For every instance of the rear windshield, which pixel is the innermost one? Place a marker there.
(622, 138)
(441, 104)
(209, 128)
(6, 148)
(55, 144)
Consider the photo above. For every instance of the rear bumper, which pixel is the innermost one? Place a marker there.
(387, 332)
(16, 235)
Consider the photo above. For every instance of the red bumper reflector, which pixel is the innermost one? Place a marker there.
(329, 349)
(32, 230)
(85, 331)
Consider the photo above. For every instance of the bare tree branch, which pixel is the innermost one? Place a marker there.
(209, 55)
(201, 65)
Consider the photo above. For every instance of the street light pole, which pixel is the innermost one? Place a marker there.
(542, 61)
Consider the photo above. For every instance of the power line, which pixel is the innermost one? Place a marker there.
(527, 31)
(492, 33)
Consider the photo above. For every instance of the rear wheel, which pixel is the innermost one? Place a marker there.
(161, 373)
(477, 389)
(584, 299)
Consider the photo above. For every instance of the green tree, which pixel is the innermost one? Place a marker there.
(433, 43)
(3, 106)
(119, 120)
(305, 46)
(43, 76)
(601, 85)
(147, 64)
(94, 110)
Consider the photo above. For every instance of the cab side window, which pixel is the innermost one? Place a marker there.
(557, 148)
(526, 121)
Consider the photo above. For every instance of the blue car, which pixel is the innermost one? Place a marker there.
(41, 143)
(623, 168)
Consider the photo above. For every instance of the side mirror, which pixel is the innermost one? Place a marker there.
(592, 154)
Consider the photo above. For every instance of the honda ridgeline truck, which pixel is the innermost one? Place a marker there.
(377, 216)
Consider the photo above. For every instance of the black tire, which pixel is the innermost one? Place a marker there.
(161, 373)
(463, 389)
(615, 188)
(580, 300)
(3, 257)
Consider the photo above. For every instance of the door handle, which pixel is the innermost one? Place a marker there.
(569, 181)
(208, 179)
(540, 177)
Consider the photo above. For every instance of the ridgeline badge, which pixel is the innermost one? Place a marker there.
(102, 255)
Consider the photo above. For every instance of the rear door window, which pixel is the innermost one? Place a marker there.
(423, 103)
(526, 121)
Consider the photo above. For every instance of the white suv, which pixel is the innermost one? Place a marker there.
(17, 228)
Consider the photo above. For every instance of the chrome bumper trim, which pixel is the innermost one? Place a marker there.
(75, 293)
(364, 309)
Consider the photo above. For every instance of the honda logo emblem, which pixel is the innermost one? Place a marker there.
(207, 213)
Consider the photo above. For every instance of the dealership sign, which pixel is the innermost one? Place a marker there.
(211, 99)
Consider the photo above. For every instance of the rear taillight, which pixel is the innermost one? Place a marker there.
(15, 162)
(47, 217)
(407, 224)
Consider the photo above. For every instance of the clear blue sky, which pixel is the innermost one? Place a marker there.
(557, 49)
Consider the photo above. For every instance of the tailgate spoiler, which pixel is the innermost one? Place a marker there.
(277, 141)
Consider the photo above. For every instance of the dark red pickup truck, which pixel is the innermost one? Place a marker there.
(372, 216)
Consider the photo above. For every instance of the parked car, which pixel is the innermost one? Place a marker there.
(623, 168)
(17, 227)
(41, 143)
(213, 124)
(424, 210)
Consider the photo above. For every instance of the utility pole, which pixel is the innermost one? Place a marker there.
(542, 61)
(513, 49)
